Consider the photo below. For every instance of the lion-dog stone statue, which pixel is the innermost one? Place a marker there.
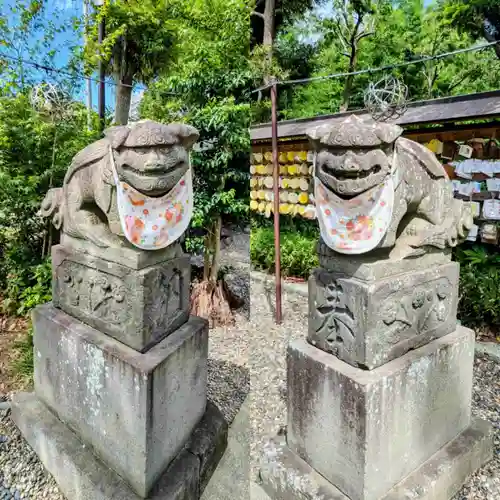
(149, 156)
(357, 156)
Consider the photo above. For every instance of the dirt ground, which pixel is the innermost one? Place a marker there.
(12, 330)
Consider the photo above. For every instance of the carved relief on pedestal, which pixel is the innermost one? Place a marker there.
(94, 292)
(139, 307)
(367, 323)
(420, 311)
(333, 322)
(166, 294)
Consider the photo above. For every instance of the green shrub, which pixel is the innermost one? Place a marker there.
(479, 303)
(288, 224)
(298, 251)
(35, 152)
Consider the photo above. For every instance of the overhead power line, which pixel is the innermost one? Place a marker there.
(75, 74)
(388, 67)
(375, 70)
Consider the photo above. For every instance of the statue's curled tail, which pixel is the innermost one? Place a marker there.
(52, 206)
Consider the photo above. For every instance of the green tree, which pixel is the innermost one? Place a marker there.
(30, 161)
(140, 43)
(402, 32)
(208, 87)
(27, 31)
(480, 18)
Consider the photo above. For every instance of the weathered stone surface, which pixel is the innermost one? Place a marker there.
(238, 286)
(128, 255)
(356, 158)
(231, 479)
(136, 410)
(82, 476)
(149, 156)
(208, 442)
(377, 265)
(368, 323)
(365, 431)
(137, 307)
(287, 477)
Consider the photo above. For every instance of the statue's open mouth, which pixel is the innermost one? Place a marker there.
(344, 175)
(154, 170)
(348, 182)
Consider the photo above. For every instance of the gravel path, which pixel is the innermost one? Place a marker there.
(23, 476)
(257, 347)
(268, 378)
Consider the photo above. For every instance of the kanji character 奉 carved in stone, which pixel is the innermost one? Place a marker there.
(377, 190)
(149, 157)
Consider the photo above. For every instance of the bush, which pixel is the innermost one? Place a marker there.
(35, 152)
(479, 303)
(298, 251)
(288, 224)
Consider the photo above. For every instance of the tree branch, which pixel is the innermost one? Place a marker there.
(364, 35)
(343, 38)
(491, 38)
(258, 14)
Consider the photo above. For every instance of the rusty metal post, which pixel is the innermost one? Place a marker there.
(276, 190)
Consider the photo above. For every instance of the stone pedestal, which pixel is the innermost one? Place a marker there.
(379, 397)
(120, 369)
(370, 434)
(137, 299)
(377, 313)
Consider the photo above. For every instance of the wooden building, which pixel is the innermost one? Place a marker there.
(451, 123)
(459, 118)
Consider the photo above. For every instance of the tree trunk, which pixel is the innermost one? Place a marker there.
(123, 100)
(269, 24)
(346, 95)
(268, 40)
(214, 268)
(206, 255)
(209, 298)
(491, 38)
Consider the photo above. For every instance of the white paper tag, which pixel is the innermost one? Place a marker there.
(465, 151)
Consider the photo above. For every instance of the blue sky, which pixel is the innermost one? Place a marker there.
(65, 10)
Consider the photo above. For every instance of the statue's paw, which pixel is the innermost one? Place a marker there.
(400, 252)
(107, 241)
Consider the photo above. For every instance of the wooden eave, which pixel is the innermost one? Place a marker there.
(446, 111)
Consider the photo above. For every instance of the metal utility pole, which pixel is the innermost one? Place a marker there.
(276, 196)
(89, 81)
(102, 75)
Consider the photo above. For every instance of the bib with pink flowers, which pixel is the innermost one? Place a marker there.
(357, 225)
(154, 223)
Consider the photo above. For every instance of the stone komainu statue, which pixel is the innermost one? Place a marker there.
(147, 158)
(377, 190)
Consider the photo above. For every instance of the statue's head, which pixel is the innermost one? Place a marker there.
(150, 156)
(355, 156)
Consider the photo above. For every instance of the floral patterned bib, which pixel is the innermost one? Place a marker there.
(357, 225)
(154, 223)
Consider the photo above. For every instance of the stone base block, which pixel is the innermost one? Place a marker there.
(285, 476)
(376, 265)
(134, 299)
(82, 476)
(136, 410)
(367, 323)
(364, 431)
